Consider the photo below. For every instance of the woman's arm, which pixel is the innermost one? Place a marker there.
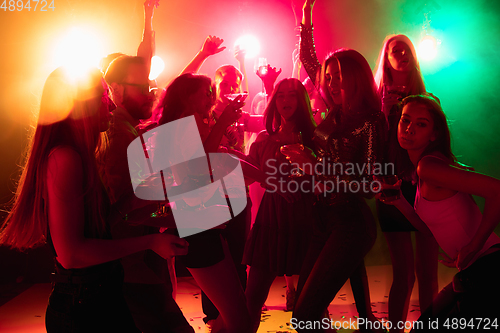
(66, 215)
(211, 46)
(146, 49)
(240, 55)
(308, 55)
(438, 173)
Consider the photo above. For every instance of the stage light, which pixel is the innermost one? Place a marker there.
(250, 44)
(427, 49)
(78, 50)
(157, 66)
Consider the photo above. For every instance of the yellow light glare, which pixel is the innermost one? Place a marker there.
(157, 66)
(250, 44)
(78, 50)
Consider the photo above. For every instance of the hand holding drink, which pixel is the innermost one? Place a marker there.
(390, 188)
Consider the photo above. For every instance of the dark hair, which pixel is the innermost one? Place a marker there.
(442, 143)
(302, 117)
(174, 99)
(117, 70)
(357, 82)
(67, 117)
(383, 72)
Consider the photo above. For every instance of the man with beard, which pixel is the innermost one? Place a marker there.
(147, 287)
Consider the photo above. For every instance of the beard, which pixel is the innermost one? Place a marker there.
(138, 108)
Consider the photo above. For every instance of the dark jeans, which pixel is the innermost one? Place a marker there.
(343, 235)
(235, 233)
(474, 294)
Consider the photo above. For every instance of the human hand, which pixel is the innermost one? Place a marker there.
(308, 5)
(385, 191)
(212, 46)
(168, 246)
(447, 261)
(300, 155)
(149, 7)
(269, 75)
(239, 54)
(233, 111)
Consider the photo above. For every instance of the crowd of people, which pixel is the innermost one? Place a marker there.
(115, 253)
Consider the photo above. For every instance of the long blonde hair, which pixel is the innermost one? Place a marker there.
(66, 118)
(383, 73)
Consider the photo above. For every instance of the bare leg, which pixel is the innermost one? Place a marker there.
(221, 284)
(426, 266)
(173, 276)
(258, 285)
(403, 276)
(290, 293)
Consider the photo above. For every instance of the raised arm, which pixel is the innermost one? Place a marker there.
(308, 55)
(146, 49)
(296, 63)
(66, 215)
(436, 172)
(239, 55)
(268, 78)
(211, 46)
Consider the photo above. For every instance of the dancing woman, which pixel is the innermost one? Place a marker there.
(280, 235)
(397, 76)
(351, 133)
(208, 259)
(445, 208)
(61, 200)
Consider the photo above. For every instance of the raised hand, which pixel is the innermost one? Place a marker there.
(239, 54)
(212, 46)
(149, 6)
(270, 74)
(307, 12)
(268, 77)
(309, 4)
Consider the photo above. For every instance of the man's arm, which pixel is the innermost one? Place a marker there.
(146, 49)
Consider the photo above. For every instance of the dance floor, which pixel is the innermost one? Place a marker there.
(23, 311)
